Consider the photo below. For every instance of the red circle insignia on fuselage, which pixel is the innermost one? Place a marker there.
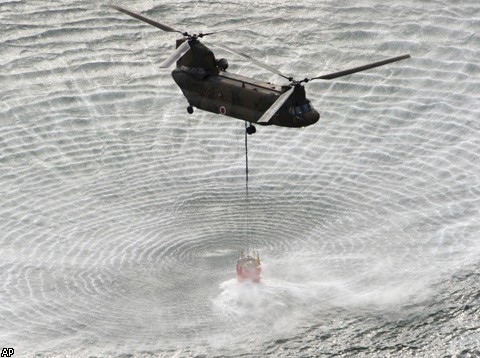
(223, 110)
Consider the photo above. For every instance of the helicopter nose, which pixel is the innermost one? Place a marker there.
(312, 117)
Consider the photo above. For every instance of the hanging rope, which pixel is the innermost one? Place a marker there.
(247, 209)
(246, 159)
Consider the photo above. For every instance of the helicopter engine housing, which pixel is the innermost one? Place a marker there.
(222, 64)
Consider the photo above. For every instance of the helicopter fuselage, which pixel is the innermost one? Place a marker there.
(208, 86)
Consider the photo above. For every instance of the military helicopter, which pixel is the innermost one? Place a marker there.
(207, 85)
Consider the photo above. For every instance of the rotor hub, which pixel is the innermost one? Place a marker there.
(191, 37)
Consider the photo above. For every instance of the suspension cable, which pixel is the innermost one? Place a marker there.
(247, 206)
(246, 158)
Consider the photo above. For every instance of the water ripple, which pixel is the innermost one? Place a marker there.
(122, 216)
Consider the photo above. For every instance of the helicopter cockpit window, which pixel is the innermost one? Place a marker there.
(304, 108)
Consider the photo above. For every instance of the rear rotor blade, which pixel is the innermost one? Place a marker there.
(361, 68)
(243, 25)
(145, 19)
(174, 57)
(252, 60)
(269, 113)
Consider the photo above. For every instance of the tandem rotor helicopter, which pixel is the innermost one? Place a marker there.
(207, 85)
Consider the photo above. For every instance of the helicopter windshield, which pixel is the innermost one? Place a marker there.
(304, 108)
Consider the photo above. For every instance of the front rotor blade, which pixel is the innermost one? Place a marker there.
(269, 113)
(174, 57)
(243, 25)
(145, 19)
(252, 60)
(361, 68)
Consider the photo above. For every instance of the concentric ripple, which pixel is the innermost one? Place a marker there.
(121, 216)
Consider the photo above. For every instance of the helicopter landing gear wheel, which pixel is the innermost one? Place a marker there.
(251, 129)
(190, 109)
